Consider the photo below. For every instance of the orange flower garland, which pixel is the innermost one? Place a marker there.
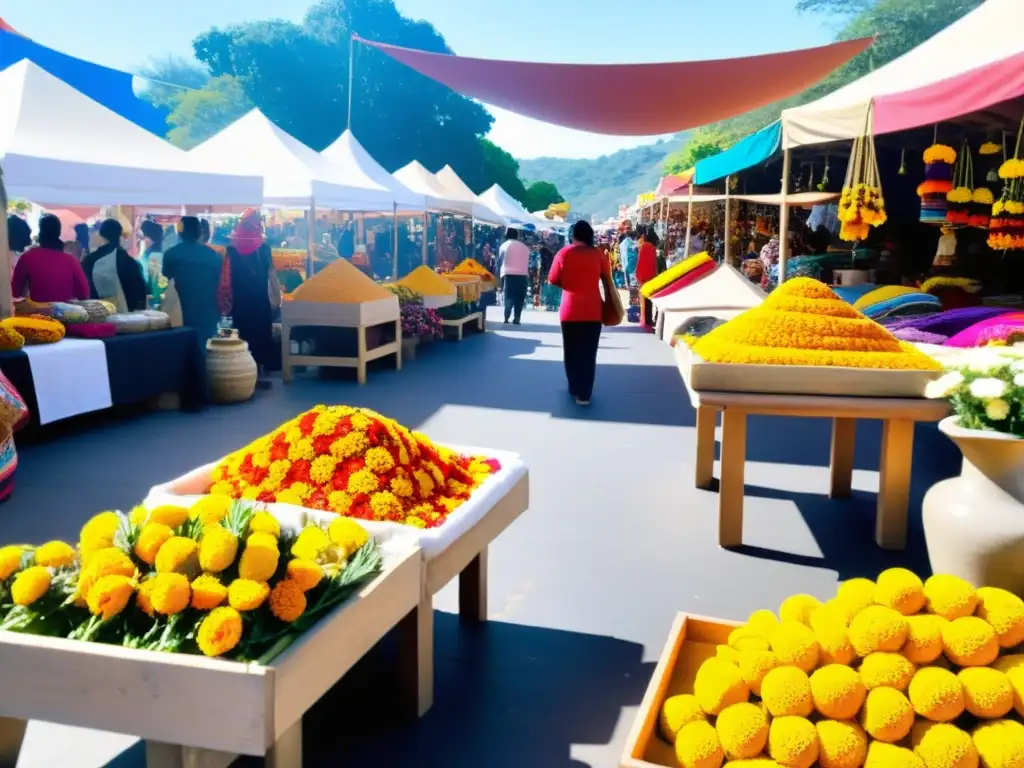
(356, 463)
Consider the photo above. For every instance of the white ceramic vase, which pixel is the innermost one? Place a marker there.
(974, 523)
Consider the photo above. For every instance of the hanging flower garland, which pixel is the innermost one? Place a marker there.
(1006, 229)
(861, 205)
(938, 181)
(960, 198)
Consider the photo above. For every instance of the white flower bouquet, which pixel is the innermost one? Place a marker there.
(985, 386)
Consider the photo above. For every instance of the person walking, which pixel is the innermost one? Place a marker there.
(578, 269)
(515, 274)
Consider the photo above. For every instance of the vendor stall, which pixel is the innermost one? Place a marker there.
(723, 293)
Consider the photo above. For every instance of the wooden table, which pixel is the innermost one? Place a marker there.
(460, 323)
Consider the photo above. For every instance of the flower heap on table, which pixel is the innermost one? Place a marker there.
(220, 578)
(803, 322)
(353, 462)
(889, 674)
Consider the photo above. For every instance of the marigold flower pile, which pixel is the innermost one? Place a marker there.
(220, 578)
(893, 673)
(860, 208)
(353, 462)
(1006, 228)
(803, 322)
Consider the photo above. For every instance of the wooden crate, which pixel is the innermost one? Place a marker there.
(192, 710)
(692, 640)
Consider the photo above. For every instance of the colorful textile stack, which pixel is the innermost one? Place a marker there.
(994, 330)
(947, 323)
(938, 174)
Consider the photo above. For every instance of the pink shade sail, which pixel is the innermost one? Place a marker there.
(971, 91)
(617, 98)
(674, 183)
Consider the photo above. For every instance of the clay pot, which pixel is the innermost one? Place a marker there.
(409, 344)
(231, 369)
(974, 523)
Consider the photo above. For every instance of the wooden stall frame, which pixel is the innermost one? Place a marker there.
(197, 711)
(363, 355)
(460, 323)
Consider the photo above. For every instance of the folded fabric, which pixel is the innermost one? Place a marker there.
(851, 293)
(882, 293)
(917, 336)
(91, 330)
(946, 323)
(672, 274)
(987, 331)
(904, 304)
(688, 279)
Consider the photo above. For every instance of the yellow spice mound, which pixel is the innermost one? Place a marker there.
(804, 322)
(427, 282)
(340, 283)
(474, 267)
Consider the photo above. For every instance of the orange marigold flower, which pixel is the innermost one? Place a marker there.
(220, 632)
(178, 555)
(169, 593)
(169, 514)
(110, 595)
(208, 593)
(306, 573)
(151, 538)
(287, 601)
(247, 595)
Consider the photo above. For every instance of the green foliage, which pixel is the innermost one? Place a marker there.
(541, 194)
(704, 142)
(497, 167)
(169, 79)
(833, 6)
(199, 114)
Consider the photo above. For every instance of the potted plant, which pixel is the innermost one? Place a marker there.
(419, 324)
(974, 523)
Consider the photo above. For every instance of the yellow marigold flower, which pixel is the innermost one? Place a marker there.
(310, 543)
(379, 460)
(306, 573)
(217, 549)
(347, 534)
(1000, 743)
(178, 555)
(264, 522)
(901, 590)
(301, 449)
(924, 638)
(787, 691)
(676, 712)
(1013, 668)
(747, 638)
(170, 515)
(882, 755)
(717, 685)
(259, 558)
(742, 731)
(950, 596)
(878, 628)
(247, 595)
(220, 631)
(970, 642)
(856, 594)
(106, 562)
(30, 585)
(754, 665)
(725, 653)
(830, 630)
(795, 643)
(838, 691)
(936, 694)
(110, 595)
(988, 693)
(10, 560)
(402, 487)
(138, 515)
(886, 669)
(353, 444)
(54, 554)
(362, 481)
(414, 522)
(208, 593)
(98, 534)
(151, 538)
(1005, 612)
(262, 539)
(385, 505)
(763, 621)
(887, 715)
(799, 608)
(793, 742)
(211, 509)
(841, 744)
(169, 593)
(142, 598)
(424, 482)
(289, 496)
(941, 745)
(287, 601)
(697, 746)
(340, 502)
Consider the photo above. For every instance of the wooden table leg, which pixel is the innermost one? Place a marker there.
(398, 341)
(473, 589)
(730, 490)
(286, 353)
(12, 733)
(705, 465)
(287, 750)
(844, 434)
(361, 355)
(416, 654)
(894, 483)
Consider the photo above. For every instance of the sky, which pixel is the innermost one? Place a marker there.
(579, 31)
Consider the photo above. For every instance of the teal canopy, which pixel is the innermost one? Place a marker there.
(746, 153)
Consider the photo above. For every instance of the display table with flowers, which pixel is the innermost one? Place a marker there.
(358, 464)
(207, 630)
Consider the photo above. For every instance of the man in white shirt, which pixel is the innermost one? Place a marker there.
(515, 274)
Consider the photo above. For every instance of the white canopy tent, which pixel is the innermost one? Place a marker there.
(497, 199)
(349, 155)
(456, 188)
(422, 181)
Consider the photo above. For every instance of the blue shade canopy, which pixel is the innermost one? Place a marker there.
(746, 153)
(109, 87)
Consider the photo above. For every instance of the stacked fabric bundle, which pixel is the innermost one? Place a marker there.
(686, 272)
(887, 300)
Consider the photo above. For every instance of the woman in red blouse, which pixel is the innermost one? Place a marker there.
(647, 269)
(578, 270)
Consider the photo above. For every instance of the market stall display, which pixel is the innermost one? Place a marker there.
(466, 309)
(474, 267)
(888, 673)
(340, 296)
(435, 291)
(722, 292)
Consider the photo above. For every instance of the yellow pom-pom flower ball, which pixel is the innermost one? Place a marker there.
(220, 631)
(725, 653)
(170, 515)
(830, 630)
(217, 549)
(841, 744)
(718, 684)
(1000, 743)
(950, 596)
(30, 585)
(1013, 667)
(754, 762)
(837, 691)
(754, 665)
(793, 742)
(676, 712)
(110, 595)
(742, 731)
(168, 593)
(763, 621)
(936, 694)
(54, 554)
(795, 643)
(886, 669)
(178, 555)
(697, 746)
(924, 638)
(787, 691)
(887, 715)
(901, 590)
(287, 601)
(348, 534)
(151, 538)
(1005, 612)
(970, 642)
(10, 560)
(856, 594)
(208, 593)
(941, 745)
(988, 693)
(748, 638)
(264, 522)
(882, 755)
(305, 573)
(878, 628)
(247, 595)
(259, 558)
(799, 608)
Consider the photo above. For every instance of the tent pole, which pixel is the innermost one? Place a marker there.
(787, 158)
(727, 256)
(426, 225)
(394, 256)
(310, 237)
(689, 223)
(6, 297)
(351, 65)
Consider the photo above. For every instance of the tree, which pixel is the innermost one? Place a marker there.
(846, 7)
(541, 194)
(199, 114)
(704, 142)
(170, 77)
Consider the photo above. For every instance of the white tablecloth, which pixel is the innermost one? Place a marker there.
(69, 377)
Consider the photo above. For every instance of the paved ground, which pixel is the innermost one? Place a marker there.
(583, 587)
